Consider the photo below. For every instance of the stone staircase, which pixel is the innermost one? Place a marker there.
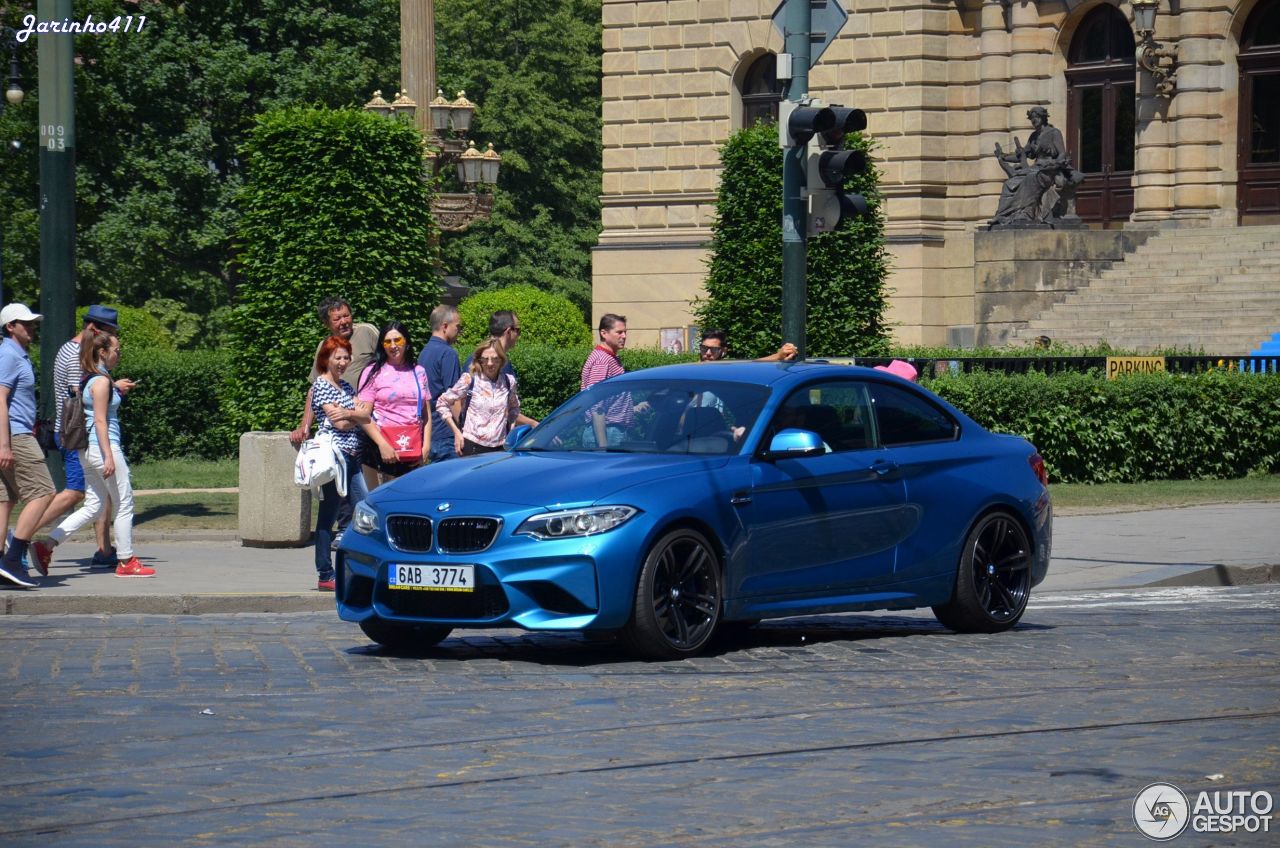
(1190, 289)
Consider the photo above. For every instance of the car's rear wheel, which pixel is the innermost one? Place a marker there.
(403, 637)
(677, 600)
(993, 581)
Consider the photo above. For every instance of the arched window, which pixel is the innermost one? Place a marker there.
(761, 91)
(1101, 111)
(1258, 190)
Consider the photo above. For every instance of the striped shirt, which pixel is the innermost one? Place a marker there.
(602, 364)
(348, 441)
(66, 377)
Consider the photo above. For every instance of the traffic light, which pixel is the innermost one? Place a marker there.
(828, 166)
(801, 123)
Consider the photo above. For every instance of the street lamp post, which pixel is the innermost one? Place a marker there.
(445, 143)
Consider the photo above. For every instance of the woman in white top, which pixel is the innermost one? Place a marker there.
(106, 470)
(489, 403)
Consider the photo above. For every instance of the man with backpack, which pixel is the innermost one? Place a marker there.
(67, 383)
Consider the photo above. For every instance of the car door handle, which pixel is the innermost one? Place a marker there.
(740, 499)
(883, 468)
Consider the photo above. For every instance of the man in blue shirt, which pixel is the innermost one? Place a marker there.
(23, 474)
(440, 361)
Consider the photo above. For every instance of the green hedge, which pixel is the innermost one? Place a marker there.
(1215, 425)
(545, 319)
(176, 409)
(334, 204)
(1149, 427)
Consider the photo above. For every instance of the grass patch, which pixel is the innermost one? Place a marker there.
(186, 474)
(197, 511)
(1165, 493)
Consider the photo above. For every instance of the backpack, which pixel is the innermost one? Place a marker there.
(71, 424)
(320, 461)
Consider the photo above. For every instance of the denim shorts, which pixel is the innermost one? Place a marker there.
(71, 466)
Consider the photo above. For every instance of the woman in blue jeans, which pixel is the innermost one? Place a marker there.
(339, 413)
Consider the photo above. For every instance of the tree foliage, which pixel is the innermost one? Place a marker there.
(533, 66)
(162, 114)
(545, 319)
(335, 204)
(846, 268)
(160, 118)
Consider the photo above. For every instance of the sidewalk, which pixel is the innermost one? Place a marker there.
(204, 571)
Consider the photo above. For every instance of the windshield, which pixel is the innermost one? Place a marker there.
(681, 417)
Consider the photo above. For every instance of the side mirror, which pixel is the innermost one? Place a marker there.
(790, 444)
(517, 433)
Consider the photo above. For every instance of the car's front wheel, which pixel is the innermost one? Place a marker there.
(677, 600)
(993, 581)
(403, 637)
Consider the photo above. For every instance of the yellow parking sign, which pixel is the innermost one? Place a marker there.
(1123, 366)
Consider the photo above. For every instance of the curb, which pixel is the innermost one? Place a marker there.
(32, 603)
(1222, 575)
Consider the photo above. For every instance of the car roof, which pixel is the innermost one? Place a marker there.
(749, 371)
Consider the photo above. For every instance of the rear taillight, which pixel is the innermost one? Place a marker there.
(1037, 465)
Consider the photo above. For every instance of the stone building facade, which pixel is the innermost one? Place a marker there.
(942, 83)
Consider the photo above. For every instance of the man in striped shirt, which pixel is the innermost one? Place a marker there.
(602, 363)
(66, 380)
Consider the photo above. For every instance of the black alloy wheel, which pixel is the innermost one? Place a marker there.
(993, 581)
(678, 599)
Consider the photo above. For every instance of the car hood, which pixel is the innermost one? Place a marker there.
(550, 479)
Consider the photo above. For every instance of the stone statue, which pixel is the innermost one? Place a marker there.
(1039, 195)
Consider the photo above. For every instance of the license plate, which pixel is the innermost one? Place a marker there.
(431, 578)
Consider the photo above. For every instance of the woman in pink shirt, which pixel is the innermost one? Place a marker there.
(397, 387)
(489, 403)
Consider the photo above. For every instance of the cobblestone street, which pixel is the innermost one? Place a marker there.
(291, 729)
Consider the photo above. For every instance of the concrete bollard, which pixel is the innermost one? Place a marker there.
(274, 513)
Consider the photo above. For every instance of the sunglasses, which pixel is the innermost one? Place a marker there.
(393, 342)
(490, 360)
(710, 349)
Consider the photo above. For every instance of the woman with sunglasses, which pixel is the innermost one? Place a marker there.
(488, 406)
(396, 386)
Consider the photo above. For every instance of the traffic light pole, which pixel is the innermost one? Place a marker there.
(798, 19)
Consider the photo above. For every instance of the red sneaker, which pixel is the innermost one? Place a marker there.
(326, 585)
(133, 568)
(44, 556)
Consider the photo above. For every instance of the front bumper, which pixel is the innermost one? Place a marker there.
(560, 584)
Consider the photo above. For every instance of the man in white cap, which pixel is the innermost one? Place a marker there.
(23, 474)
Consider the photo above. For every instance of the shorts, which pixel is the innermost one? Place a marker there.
(371, 457)
(28, 478)
(71, 466)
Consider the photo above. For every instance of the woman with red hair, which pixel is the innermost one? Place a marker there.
(339, 413)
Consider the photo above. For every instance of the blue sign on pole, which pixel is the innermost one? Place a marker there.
(828, 18)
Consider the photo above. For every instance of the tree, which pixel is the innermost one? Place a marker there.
(160, 117)
(846, 268)
(335, 204)
(533, 66)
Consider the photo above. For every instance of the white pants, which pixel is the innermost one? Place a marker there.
(115, 493)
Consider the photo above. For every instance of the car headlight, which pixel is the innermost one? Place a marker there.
(566, 523)
(364, 519)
